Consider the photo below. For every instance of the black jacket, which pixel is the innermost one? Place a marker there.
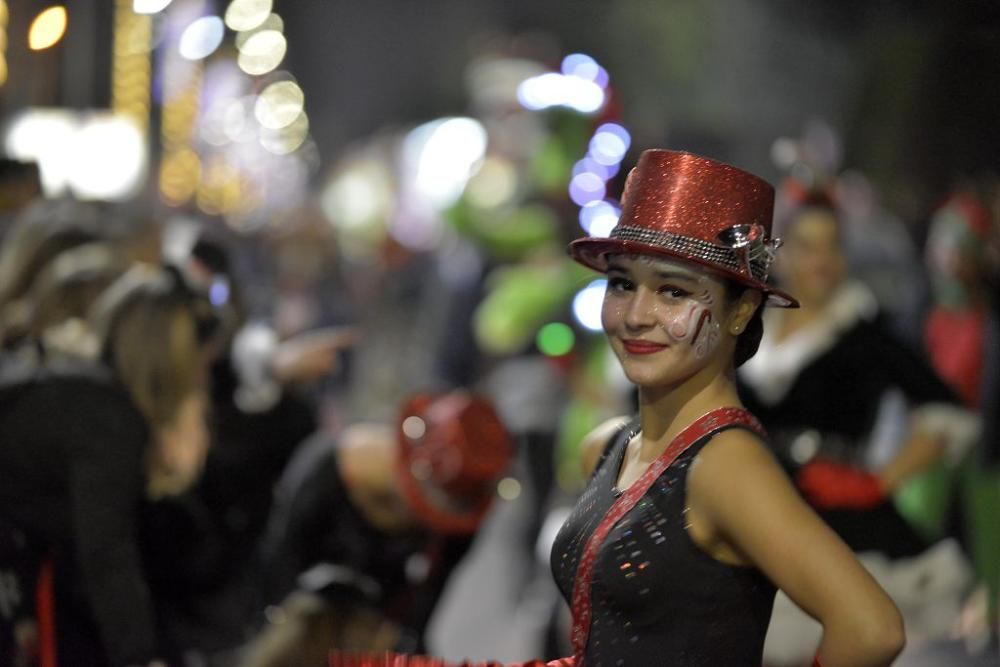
(72, 447)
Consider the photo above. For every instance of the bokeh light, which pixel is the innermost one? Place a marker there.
(587, 305)
(179, 174)
(358, 202)
(279, 104)
(287, 139)
(784, 152)
(598, 218)
(40, 135)
(605, 171)
(219, 189)
(493, 185)
(47, 28)
(414, 427)
(586, 187)
(555, 339)
(442, 155)
(97, 155)
(583, 66)
(272, 22)
(509, 488)
(218, 292)
(609, 144)
(149, 6)
(262, 52)
(247, 14)
(107, 158)
(201, 38)
(552, 89)
(237, 120)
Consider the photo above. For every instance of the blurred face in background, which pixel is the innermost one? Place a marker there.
(956, 259)
(179, 448)
(367, 460)
(812, 263)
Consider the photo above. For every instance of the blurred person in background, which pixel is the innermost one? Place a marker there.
(962, 335)
(39, 235)
(85, 441)
(853, 415)
(63, 294)
(42, 231)
(205, 542)
(369, 526)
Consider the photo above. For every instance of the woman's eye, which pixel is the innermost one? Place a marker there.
(675, 292)
(619, 284)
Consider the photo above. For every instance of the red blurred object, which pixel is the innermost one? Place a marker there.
(956, 342)
(46, 614)
(453, 449)
(831, 485)
(341, 659)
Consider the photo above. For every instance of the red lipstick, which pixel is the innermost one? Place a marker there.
(642, 346)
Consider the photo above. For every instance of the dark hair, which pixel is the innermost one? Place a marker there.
(748, 341)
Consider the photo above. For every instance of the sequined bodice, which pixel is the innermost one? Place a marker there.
(657, 598)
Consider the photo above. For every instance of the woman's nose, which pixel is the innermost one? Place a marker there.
(641, 309)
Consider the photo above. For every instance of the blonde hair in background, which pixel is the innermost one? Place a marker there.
(146, 326)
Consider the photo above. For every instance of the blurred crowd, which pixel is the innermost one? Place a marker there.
(216, 452)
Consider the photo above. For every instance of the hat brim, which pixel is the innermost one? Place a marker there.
(593, 253)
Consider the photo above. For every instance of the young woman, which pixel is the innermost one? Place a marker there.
(673, 553)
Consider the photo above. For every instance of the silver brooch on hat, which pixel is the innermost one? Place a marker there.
(751, 247)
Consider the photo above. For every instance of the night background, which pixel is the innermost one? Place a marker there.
(413, 170)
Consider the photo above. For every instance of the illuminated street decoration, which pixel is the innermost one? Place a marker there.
(234, 134)
(131, 69)
(180, 168)
(95, 155)
(4, 17)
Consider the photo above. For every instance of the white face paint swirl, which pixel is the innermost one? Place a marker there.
(692, 322)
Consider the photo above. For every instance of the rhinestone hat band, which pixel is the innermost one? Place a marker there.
(739, 258)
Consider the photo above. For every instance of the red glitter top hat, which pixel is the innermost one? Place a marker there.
(453, 449)
(684, 206)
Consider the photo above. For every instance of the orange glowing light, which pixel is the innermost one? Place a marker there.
(47, 28)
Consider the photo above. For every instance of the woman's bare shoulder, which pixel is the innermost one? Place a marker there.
(594, 443)
(737, 457)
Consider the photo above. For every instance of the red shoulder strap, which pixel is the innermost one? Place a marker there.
(707, 424)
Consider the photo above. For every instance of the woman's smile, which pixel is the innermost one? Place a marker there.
(637, 346)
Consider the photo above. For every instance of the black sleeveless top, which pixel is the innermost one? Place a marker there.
(657, 597)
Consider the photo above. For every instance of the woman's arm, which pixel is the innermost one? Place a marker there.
(742, 500)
